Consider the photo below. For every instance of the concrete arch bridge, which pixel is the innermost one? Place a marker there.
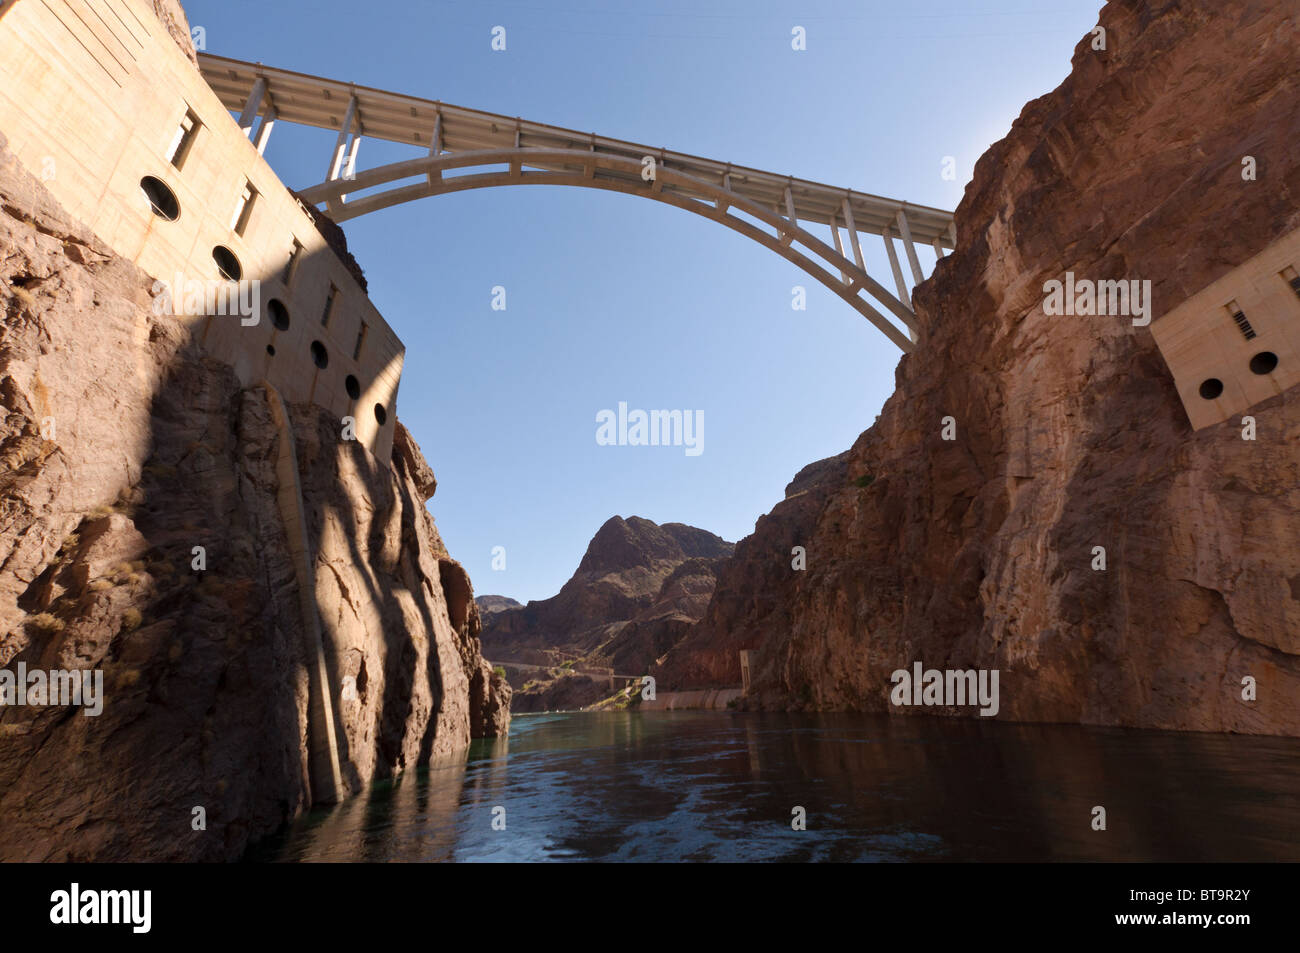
(471, 149)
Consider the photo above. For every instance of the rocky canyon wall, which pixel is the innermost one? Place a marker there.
(122, 449)
(637, 590)
(978, 552)
(634, 570)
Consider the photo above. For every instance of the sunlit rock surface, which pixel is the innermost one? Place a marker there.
(978, 552)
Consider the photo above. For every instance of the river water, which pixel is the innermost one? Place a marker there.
(666, 786)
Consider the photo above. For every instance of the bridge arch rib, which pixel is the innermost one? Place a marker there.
(771, 210)
(549, 170)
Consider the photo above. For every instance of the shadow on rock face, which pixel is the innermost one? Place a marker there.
(143, 535)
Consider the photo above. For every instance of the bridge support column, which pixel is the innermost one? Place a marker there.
(905, 230)
(435, 144)
(788, 237)
(839, 247)
(350, 170)
(254, 103)
(340, 144)
(350, 166)
(264, 130)
(903, 294)
(853, 235)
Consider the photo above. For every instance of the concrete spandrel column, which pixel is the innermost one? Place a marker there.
(839, 247)
(340, 144)
(251, 107)
(853, 235)
(264, 131)
(905, 231)
(903, 294)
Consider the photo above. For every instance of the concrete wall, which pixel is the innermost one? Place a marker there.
(710, 699)
(92, 93)
(1201, 341)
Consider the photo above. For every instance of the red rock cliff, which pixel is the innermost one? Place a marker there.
(121, 449)
(624, 575)
(977, 552)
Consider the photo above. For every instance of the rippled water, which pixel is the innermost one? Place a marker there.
(721, 786)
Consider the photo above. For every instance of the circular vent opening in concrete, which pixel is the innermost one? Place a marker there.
(1211, 388)
(227, 263)
(279, 314)
(1265, 362)
(161, 199)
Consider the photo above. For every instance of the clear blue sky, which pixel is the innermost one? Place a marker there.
(612, 298)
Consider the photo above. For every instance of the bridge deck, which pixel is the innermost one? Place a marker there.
(315, 101)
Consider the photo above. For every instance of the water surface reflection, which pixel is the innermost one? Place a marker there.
(721, 786)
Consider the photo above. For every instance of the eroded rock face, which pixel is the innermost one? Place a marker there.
(636, 592)
(570, 693)
(173, 18)
(978, 552)
(622, 573)
(123, 450)
(681, 601)
(755, 586)
(416, 467)
(489, 604)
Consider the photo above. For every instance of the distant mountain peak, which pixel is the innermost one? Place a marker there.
(488, 604)
(631, 567)
(622, 544)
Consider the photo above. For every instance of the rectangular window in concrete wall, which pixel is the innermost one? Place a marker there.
(1239, 318)
(183, 141)
(361, 339)
(291, 266)
(1291, 277)
(330, 300)
(243, 208)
